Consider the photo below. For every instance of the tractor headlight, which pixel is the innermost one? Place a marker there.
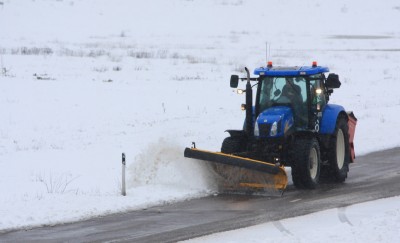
(274, 129)
(256, 130)
(240, 91)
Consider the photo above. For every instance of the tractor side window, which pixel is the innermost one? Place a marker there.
(318, 99)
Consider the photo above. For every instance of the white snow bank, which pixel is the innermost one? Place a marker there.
(47, 190)
(375, 221)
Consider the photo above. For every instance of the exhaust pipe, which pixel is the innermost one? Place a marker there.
(249, 106)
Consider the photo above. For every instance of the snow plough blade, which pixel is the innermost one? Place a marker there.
(240, 172)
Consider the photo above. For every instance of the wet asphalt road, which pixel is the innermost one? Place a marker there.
(373, 176)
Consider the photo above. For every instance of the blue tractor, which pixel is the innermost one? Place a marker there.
(289, 123)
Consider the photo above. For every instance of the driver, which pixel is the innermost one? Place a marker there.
(292, 92)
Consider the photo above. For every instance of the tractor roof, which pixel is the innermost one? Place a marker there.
(290, 71)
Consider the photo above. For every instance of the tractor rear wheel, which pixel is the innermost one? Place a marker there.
(306, 164)
(339, 152)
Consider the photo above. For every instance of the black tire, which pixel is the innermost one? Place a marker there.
(339, 152)
(306, 163)
(232, 145)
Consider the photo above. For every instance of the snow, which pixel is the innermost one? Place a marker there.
(82, 82)
(375, 221)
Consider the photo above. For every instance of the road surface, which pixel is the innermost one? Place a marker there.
(374, 176)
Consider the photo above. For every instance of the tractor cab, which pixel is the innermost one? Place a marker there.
(288, 99)
(302, 89)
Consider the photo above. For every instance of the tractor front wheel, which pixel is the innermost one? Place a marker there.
(306, 164)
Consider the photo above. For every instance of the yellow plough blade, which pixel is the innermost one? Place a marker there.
(243, 172)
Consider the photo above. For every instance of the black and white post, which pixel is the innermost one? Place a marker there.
(123, 189)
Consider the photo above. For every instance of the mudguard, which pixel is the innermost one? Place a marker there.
(329, 117)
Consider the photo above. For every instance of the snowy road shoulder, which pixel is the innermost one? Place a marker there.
(374, 221)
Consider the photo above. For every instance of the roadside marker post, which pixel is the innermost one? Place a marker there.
(123, 189)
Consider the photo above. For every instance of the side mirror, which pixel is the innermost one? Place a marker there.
(234, 81)
(332, 82)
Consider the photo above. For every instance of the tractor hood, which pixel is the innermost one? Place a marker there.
(274, 122)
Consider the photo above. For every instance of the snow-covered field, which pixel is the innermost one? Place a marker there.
(81, 82)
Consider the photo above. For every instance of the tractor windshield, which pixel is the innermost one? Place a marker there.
(286, 91)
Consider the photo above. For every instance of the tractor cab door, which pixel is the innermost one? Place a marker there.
(318, 99)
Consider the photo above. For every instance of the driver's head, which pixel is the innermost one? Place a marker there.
(289, 80)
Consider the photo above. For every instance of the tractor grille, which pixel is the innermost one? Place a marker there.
(265, 128)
